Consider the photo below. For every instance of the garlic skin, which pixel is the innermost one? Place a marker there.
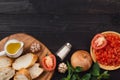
(62, 67)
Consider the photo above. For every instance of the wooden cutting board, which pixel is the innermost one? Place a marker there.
(28, 40)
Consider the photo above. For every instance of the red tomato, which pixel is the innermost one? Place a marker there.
(110, 55)
(99, 41)
(49, 62)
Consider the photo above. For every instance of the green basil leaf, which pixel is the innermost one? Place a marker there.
(75, 77)
(78, 69)
(104, 75)
(93, 78)
(86, 76)
(95, 70)
(64, 79)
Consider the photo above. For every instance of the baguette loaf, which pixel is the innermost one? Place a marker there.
(5, 61)
(35, 70)
(6, 73)
(25, 61)
(22, 74)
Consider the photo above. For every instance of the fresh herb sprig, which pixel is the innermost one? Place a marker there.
(94, 74)
(72, 73)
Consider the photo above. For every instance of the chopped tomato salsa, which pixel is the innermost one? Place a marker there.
(110, 54)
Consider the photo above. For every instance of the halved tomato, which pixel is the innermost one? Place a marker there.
(49, 62)
(99, 41)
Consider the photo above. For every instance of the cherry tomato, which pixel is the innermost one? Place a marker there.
(49, 62)
(99, 42)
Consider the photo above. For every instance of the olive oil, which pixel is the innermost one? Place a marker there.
(12, 48)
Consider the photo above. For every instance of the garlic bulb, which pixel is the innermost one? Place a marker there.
(35, 47)
(62, 68)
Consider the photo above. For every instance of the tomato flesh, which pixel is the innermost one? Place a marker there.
(49, 62)
(110, 54)
(99, 41)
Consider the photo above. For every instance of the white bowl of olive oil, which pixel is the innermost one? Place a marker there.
(13, 48)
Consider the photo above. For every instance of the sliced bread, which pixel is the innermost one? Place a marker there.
(25, 61)
(35, 70)
(6, 73)
(5, 61)
(22, 74)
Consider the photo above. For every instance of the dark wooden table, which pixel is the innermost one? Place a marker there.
(55, 24)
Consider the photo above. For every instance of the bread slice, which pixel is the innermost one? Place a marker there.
(6, 73)
(94, 57)
(22, 74)
(25, 61)
(35, 70)
(5, 61)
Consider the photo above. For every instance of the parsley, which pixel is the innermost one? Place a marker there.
(72, 73)
(94, 74)
(95, 70)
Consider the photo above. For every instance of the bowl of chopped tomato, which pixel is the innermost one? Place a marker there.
(105, 50)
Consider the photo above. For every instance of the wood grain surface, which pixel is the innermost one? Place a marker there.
(76, 24)
(28, 40)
